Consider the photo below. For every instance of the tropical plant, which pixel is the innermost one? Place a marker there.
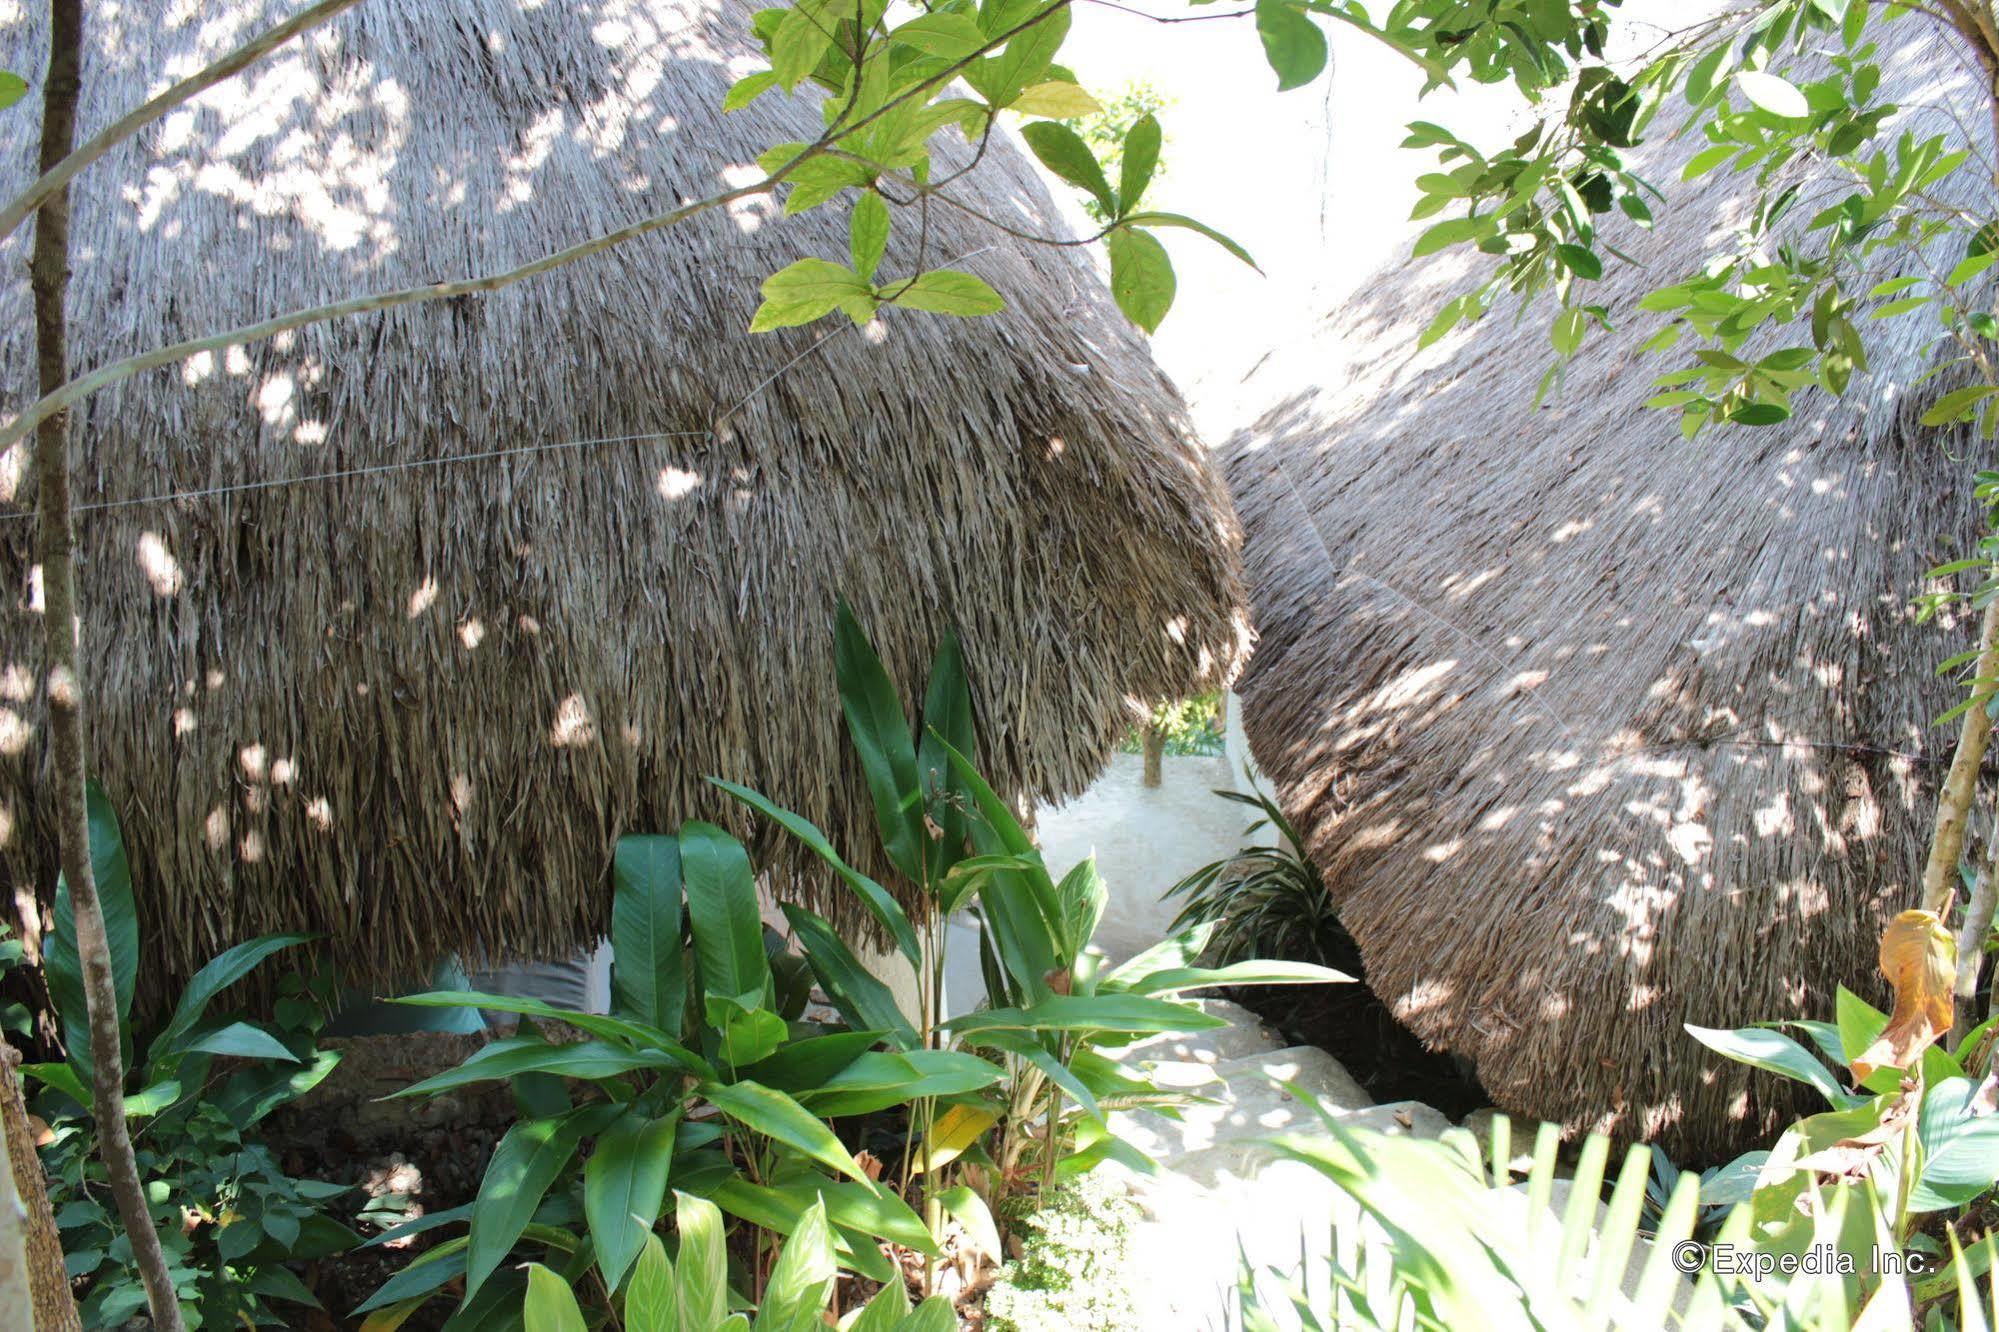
(1051, 1011)
(689, 1293)
(703, 1075)
(1265, 901)
(229, 1217)
(1441, 1236)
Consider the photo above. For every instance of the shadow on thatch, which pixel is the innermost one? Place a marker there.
(414, 709)
(1595, 732)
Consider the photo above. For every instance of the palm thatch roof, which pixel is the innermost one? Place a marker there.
(1592, 731)
(414, 708)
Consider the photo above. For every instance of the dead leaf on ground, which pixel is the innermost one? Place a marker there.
(1919, 958)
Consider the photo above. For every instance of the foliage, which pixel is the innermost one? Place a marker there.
(1117, 126)
(228, 1216)
(704, 1076)
(1074, 1268)
(1050, 1009)
(1265, 901)
(691, 1296)
(1189, 726)
(892, 89)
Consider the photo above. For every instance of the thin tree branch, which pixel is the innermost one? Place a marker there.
(1961, 783)
(49, 276)
(59, 175)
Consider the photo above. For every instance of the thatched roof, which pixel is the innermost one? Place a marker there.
(1595, 732)
(413, 709)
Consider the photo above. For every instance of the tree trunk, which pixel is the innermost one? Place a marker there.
(1961, 784)
(1154, 741)
(31, 1270)
(48, 274)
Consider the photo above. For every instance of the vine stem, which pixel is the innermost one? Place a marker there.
(1961, 783)
(61, 625)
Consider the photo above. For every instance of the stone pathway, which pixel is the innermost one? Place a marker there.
(1219, 1197)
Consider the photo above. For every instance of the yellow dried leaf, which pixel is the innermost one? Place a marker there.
(1057, 99)
(951, 1133)
(1919, 958)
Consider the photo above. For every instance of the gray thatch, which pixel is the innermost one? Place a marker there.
(414, 709)
(1595, 732)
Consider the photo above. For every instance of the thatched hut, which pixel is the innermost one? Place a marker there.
(412, 706)
(1592, 731)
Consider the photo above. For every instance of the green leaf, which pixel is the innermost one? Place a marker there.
(225, 970)
(1901, 307)
(778, 1208)
(525, 1163)
(880, 1079)
(1292, 43)
(746, 90)
(1189, 224)
(1960, 1158)
(803, 1065)
(242, 1040)
(112, 873)
(1141, 276)
(551, 1306)
(867, 233)
(801, 1284)
(722, 909)
(748, 1031)
(511, 1058)
(651, 1303)
(1957, 404)
(623, 1033)
(12, 88)
(62, 1077)
(1176, 980)
(648, 959)
(1971, 267)
(1449, 232)
(860, 998)
(1141, 158)
(950, 36)
(426, 1273)
(1026, 1044)
(807, 290)
(886, 1311)
(947, 291)
(947, 719)
(879, 731)
(1081, 897)
(1773, 1052)
(1064, 152)
(777, 1117)
(701, 1276)
(876, 898)
(624, 1184)
(801, 40)
(1130, 1014)
(1567, 331)
(975, 1217)
(1580, 261)
(1773, 94)
(1056, 98)
(1026, 57)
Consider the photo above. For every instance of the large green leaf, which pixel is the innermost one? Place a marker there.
(876, 898)
(777, 1117)
(1123, 1013)
(651, 1302)
(621, 1032)
(624, 1183)
(1142, 278)
(528, 1159)
(722, 909)
(112, 873)
(224, 970)
(426, 1273)
(1176, 980)
(1021, 913)
(883, 1078)
(859, 997)
(880, 1213)
(550, 1305)
(947, 719)
(241, 1040)
(879, 731)
(514, 1056)
(1960, 1149)
(648, 968)
(801, 1284)
(1773, 1052)
(701, 1276)
(1024, 1045)
(1292, 42)
(1068, 155)
(1081, 897)
(886, 1311)
(808, 1063)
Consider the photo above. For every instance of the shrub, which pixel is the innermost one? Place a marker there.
(1075, 1267)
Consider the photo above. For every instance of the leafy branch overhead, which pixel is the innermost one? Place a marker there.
(889, 92)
